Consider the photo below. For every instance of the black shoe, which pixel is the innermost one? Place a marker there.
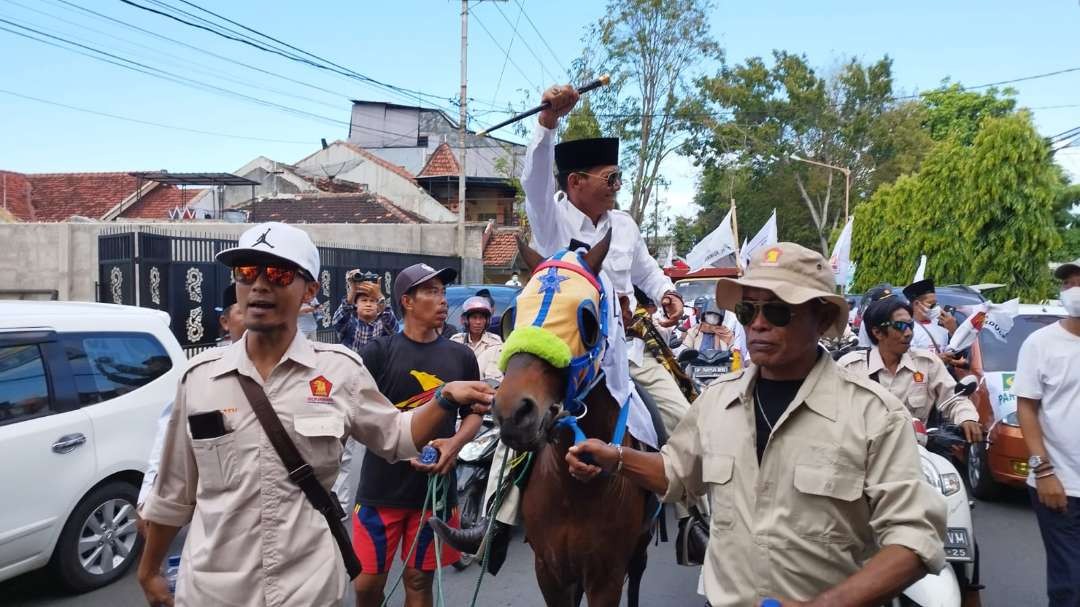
(691, 542)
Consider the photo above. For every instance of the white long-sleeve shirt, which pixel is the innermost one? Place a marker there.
(554, 221)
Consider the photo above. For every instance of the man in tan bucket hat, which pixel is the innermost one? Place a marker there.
(811, 471)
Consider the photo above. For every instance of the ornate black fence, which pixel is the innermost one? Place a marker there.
(178, 274)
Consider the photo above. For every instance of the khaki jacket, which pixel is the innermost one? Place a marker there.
(254, 539)
(839, 478)
(921, 382)
(488, 351)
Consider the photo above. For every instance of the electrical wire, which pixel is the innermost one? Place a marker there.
(543, 64)
(480, 22)
(999, 83)
(150, 123)
(521, 5)
(506, 59)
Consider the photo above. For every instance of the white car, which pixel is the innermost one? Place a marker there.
(81, 388)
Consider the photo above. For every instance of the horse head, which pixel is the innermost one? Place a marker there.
(556, 335)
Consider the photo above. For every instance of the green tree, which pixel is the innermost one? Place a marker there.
(953, 113)
(651, 49)
(581, 123)
(769, 112)
(982, 212)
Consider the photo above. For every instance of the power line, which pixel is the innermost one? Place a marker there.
(150, 123)
(497, 45)
(1002, 82)
(498, 83)
(538, 34)
(541, 62)
(207, 70)
(303, 57)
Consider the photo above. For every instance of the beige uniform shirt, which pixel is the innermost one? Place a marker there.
(254, 539)
(921, 381)
(840, 477)
(487, 351)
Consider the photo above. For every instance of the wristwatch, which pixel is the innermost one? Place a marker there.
(1036, 461)
(448, 404)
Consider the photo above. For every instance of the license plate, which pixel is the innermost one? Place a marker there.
(957, 545)
(710, 371)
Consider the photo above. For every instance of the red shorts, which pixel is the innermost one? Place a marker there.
(377, 531)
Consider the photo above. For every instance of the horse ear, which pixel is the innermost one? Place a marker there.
(529, 256)
(595, 256)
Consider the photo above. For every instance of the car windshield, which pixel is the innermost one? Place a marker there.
(690, 290)
(1001, 356)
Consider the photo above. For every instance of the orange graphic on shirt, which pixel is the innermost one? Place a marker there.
(320, 387)
(428, 384)
(919, 377)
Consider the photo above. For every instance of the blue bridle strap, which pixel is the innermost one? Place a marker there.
(570, 421)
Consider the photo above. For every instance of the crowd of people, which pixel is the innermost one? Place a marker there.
(794, 477)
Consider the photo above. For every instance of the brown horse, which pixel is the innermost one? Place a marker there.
(586, 537)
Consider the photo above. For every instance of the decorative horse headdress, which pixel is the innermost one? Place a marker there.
(561, 316)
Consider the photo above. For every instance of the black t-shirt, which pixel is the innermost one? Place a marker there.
(407, 373)
(771, 397)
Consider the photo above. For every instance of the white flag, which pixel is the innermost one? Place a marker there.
(766, 236)
(841, 255)
(669, 257)
(921, 272)
(996, 317)
(713, 248)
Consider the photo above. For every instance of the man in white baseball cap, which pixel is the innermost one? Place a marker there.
(256, 539)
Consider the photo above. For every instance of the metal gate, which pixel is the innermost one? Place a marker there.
(179, 274)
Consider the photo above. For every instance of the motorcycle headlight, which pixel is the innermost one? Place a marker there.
(947, 483)
(472, 451)
(1011, 420)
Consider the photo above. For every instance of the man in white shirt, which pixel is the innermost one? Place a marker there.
(1047, 388)
(933, 326)
(570, 196)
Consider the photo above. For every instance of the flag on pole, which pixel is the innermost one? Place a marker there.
(841, 255)
(669, 257)
(997, 317)
(713, 248)
(765, 237)
(920, 273)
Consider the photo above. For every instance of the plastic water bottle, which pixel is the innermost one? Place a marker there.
(770, 603)
(429, 456)
(172, 571)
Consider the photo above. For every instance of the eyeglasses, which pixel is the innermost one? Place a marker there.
(280, 277)
(778, 314)
(613, 178)
(899, 325)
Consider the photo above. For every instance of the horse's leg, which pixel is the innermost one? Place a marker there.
(556, 592)
(605, 592)
(635, 571)
(579, 594)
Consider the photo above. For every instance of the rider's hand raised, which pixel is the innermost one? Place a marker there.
(563, 98)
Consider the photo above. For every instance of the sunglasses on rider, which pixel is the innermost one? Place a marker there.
(612, 179)
(899, 325)
(278, 276)
(777, 313)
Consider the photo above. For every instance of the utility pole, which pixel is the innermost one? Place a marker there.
(462, 120)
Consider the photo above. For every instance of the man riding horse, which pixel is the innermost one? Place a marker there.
(572, 207)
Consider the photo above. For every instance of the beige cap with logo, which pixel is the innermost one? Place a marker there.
(795, 274)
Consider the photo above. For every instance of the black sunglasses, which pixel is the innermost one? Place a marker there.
(899, 325)
(777, 313)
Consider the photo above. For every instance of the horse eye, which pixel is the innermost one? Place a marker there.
(590, 327)
(508, 322)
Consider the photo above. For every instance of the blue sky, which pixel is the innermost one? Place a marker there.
(415, 44)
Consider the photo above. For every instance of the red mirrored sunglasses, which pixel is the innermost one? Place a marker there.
(278, 276)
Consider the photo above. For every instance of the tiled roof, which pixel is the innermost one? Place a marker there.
(501, 249)
(59, 196)
(441, 164)
(330, 208)
(15, 193)
(157, 203)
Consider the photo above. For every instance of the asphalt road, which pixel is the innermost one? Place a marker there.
(1013, 570)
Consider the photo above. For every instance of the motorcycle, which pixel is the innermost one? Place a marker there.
(473, 465)
(705, 366)
(960, 577)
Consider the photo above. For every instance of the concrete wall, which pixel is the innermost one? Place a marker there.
(64, 256)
